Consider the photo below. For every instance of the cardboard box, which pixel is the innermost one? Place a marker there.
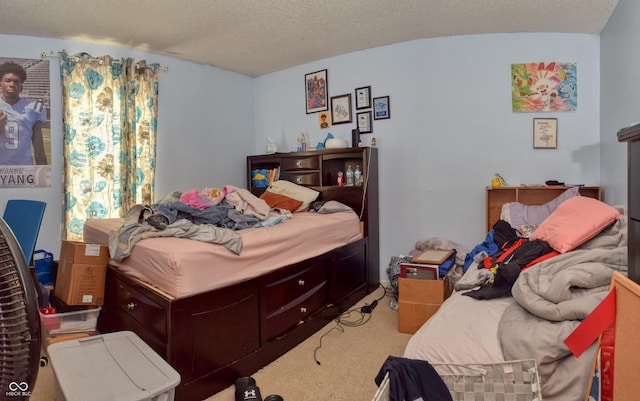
(84, 253)
(412, 315)
(80, 284)
(418, 300)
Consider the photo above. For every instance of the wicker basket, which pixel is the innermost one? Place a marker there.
(503, 381)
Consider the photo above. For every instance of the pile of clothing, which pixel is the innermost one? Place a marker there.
(208, 215)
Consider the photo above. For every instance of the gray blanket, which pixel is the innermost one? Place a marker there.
(553, 297)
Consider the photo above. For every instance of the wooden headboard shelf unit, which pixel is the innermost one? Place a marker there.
(529, 195)
(319, 170)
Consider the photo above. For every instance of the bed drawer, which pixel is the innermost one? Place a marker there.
(292, 295)
(292, 314)
(302, 178)
(291, 284)
(300, 163)
(143, 310)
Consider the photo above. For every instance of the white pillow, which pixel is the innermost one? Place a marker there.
(294, 191)
(505, 212)
(332, 206)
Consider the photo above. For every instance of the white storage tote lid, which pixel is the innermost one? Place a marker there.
(114, 366)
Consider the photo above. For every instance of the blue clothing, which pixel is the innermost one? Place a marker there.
(222, 215)
(411, 379)
(444, 268)
(488, 246)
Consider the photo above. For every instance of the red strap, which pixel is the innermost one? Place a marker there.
(603, 316)
(540, 259)
(489, 263)
(510, 250)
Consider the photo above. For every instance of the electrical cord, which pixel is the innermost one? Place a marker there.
(388, 292)
(353, 318)
(344, 320)
(366, 181)
(315, 352)
(369, 308)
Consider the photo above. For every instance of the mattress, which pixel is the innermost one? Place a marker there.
(463, 330)
(180, 267)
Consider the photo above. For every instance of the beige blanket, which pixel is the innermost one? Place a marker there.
(553, 297)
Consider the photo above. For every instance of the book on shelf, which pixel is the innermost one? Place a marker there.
(274, 175)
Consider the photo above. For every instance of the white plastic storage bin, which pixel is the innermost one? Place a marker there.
(57, 327)
(113, 366)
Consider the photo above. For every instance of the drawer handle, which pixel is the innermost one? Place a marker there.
(300, 282)
(131, 306)
(299, 180)
(303, 310)
(298, 163)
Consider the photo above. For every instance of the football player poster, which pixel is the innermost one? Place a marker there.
(25, 132)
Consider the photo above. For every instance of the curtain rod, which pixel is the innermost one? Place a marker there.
(51, 54)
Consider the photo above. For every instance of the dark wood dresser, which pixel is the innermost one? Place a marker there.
(631, 135)
(319, 170)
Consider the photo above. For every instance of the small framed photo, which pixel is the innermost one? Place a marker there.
(381, 108)
(316, 91)
(364, 122)
(323, 120)
(363, 98)
(545, 133)
(341, 109)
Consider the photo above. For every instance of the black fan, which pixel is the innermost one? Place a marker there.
(19, 321)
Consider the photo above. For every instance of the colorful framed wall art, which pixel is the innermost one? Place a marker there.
(543, 87)
(316, 91)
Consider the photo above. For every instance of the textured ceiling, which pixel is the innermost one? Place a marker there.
(259, 37)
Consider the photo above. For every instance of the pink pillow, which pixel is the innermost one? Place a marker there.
(575, 221)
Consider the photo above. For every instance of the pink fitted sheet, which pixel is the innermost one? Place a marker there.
(180, 267)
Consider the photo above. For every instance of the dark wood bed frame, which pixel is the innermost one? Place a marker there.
(213, 338)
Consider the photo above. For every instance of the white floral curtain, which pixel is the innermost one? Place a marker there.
(110, 119)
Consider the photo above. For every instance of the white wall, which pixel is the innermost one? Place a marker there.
(451, 126)
(620, 99)
(205, 126)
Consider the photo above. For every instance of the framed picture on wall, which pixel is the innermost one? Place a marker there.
(316, 91)
(341, 109)
(323, 120)
(545, 133)
(363, 98)
(364, 122)
(30, 165)
(381, 108)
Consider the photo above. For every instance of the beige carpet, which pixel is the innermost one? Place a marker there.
(350, 357)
